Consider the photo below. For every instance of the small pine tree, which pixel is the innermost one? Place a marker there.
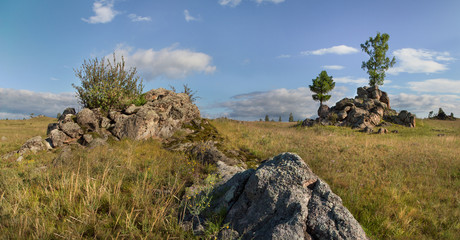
(321, 86)
(430, 114)
(291, 118)
(378, 62)
(279, 119)
(267, 119)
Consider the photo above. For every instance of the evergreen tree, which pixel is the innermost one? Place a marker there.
(291, 118)
(321, 86)
(279, 120)
(267, 119)
(378, 62)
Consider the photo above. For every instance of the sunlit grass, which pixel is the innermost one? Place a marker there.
(398, 186)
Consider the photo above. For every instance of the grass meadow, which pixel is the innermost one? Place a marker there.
(398, 186)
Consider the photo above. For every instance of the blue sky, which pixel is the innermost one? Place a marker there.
(245, 58)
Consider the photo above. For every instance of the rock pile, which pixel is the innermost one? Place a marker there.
(281, 199)
(164, 113)
(369, 109)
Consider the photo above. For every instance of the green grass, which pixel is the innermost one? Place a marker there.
(398, 186)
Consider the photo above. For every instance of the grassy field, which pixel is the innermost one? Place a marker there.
(398, 186)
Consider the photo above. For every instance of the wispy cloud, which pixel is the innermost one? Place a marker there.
(270, 1)
(332, 67)
(189, 17)
(104, 12)
(54, 79)
(169, 62)
(284, 56)
(275, 103)
(358, 81)
(340, 50)
(20, 103)
(419, 61)
(439, 85)
(230, 3)
(136, 18)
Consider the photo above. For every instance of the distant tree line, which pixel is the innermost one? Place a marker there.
(441, 115)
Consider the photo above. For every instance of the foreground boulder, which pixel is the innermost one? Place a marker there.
(370, 108)
(282, 199)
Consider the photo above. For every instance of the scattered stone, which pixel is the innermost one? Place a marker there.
(34, 145)
(97, 142)
(4, 138)
(64, 156)
(382, 131)
(132, 109)
(72, 129)
(20, 158)
(66, 112)
(395, 131)
(323, 111)
(441, 135)
(87, 139)
(368, 130)
(208, 153)
(51, 127)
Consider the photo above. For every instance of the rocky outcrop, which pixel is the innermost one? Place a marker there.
(370, 108)
(33, 145)
(281, 199)
(163, 113)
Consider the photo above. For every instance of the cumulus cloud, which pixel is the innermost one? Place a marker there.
(189, 17)
(358, 81)
(230, 3)
(340, 50)
(136, 18)
(421, 105)
(169, 62)
(103, 11)
(439, 85)
(20, 103)
(278, 102)
(419, 61)
(333, 67)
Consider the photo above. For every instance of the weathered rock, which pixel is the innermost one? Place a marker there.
(208, 153)
(58, 138)
(88, 120)
(132, 109)
(105, 123)
(97, 142)
(282, 199)
(4, 138)
(346, 102)
(362, 93)
(141, 125)
(385, 99)
(308, 122)
(66, 112)
(374, 92)
(34, 145)
(226, 171)
(64, 156)
(72, 129)
(342, 115)
(51, 127)
(323, 111)
(374, 119)
(87, 138)
(368, 129)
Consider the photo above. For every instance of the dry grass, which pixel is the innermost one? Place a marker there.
(398, 186)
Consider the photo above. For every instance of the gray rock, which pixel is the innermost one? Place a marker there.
(382, 131)
(105, 123)
(323, 111)
(4, 138)
(97, 142)
(34, 145)
(58, 138)
(226, 172)
(51, 127)
(72, 129)
(208, 153)
(282, 199)
(87, 138)
(132, 109)
(64, 156)
(385, 99)
(88, 120)
(66, 112)
(362, 93)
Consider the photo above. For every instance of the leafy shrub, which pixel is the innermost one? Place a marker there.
(107, 84)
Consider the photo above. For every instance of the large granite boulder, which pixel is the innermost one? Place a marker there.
(282, 199)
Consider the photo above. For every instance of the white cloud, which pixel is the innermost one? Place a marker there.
(419, 61)
(333, 67)
(104, 12)
(270, 1)
(189, 17)
(358, 81)
(230, 3)
(439, 85)
(136, 18)
(284, 56)
(54, 79)
(20, 103)
(169, 62)
(275, 103)
(422, 104)
(340, 50)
